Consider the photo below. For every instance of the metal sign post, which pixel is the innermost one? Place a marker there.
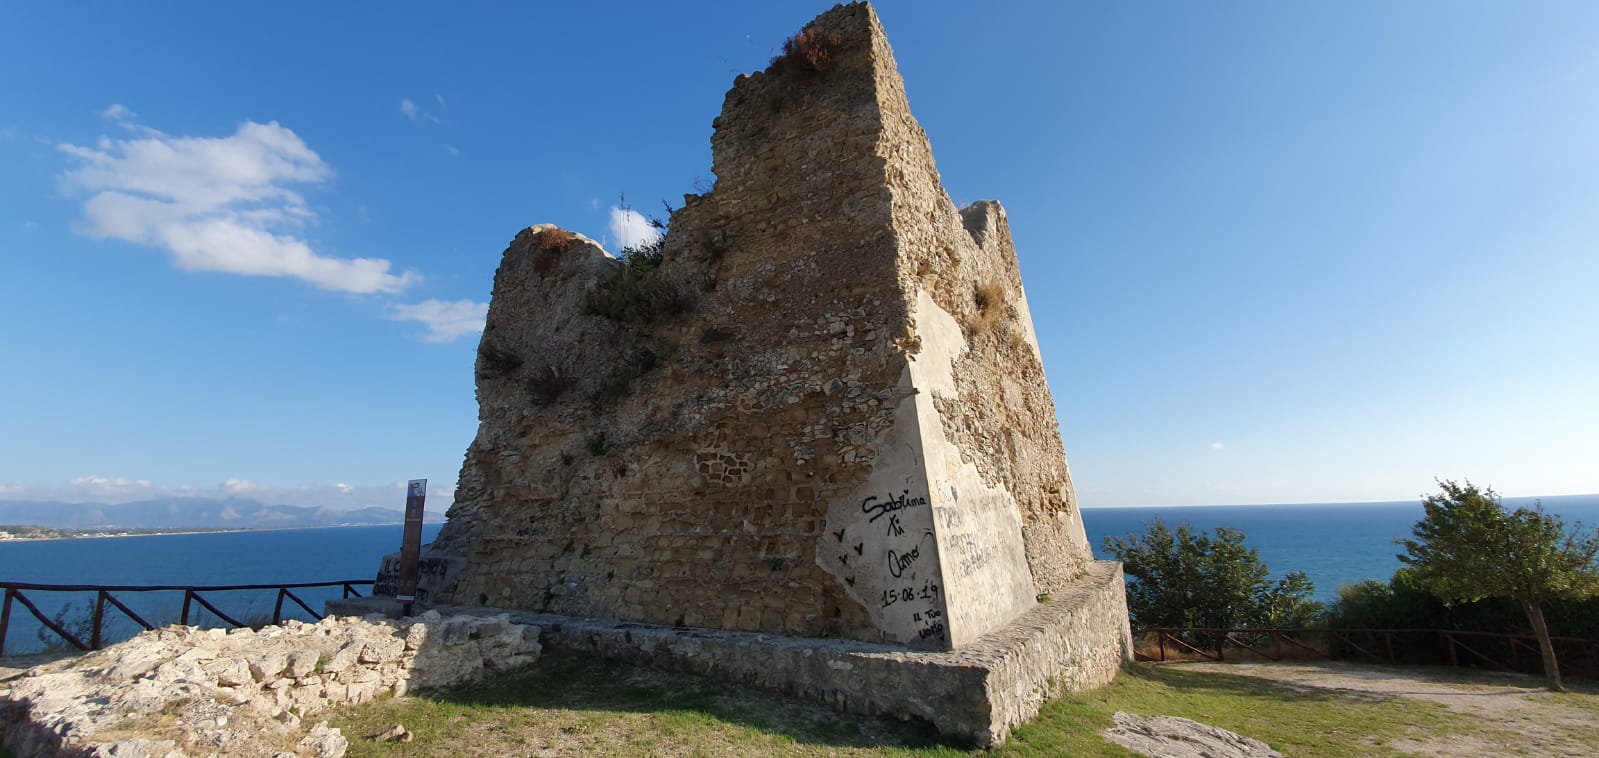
(411, 544)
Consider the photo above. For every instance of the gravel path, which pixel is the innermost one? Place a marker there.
(1517, 716)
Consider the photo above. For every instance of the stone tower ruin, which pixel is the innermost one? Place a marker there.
(822, 414)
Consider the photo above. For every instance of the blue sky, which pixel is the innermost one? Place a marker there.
(1276, 252)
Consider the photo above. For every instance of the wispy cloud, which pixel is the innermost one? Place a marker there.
(118, 112)
(217, 203)
(30, 226)
(630, 228)
(446, 320)
(108, 486)
(452, 150)
(240, 486)
(411, 110)
(1217, 446)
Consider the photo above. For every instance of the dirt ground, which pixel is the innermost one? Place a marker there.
(1517, 716)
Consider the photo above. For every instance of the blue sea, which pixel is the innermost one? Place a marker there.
(1334, 543)
(220, 558)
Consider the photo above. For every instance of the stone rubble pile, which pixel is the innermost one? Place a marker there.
(182, 691)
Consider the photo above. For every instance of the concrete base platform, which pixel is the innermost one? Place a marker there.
(1076, 641)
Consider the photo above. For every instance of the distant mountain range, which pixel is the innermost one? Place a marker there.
(192, 513)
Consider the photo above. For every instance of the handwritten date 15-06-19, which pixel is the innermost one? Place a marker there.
(928, 591)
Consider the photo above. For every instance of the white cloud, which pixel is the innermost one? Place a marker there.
(344, 489)
(1217, 446)
(30, 226)
(452, 150)
(445, 320)
(439, 99)
(118, 112)
(411, 110)
(11, 488)
(630, 229)
(218, 204)
(107, 486)
(240, 486)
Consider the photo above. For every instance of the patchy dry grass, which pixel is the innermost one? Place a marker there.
(567, 706)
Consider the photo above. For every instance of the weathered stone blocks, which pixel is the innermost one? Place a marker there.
(186, 691)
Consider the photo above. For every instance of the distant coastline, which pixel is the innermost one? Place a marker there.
(1512, 501)
(30, 533)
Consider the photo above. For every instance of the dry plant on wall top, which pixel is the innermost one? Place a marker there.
(556, 240)
(810, 50)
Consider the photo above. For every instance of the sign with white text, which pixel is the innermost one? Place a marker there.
(411, 543)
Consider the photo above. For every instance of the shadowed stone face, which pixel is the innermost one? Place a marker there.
(823, 414)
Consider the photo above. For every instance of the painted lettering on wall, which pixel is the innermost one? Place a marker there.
(876, 508)
(888, 565)
(971, 555)
(898, 562)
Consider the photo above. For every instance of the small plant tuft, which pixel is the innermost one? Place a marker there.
(493, 361)
(556, 240)
(813, 50)
(989, 299)
(79, 620)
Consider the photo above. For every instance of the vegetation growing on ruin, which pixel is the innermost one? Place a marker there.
(494, 361)
(989, 299)
(556, 240)
(634, 293)
(813, 50)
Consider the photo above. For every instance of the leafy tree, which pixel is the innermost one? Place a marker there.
(1468, 547)
(1179, 579)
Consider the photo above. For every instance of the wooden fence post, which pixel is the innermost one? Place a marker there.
(5, 619)
(99, 620)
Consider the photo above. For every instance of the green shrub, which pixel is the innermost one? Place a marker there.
(1180, 579)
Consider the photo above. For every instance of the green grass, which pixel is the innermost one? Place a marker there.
(1293, 722)
(575, 707)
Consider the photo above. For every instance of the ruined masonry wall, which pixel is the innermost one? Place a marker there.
(798, 434)
(187, 691)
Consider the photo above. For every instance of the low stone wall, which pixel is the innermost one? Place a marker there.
(1076, 641)
(180, 690)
